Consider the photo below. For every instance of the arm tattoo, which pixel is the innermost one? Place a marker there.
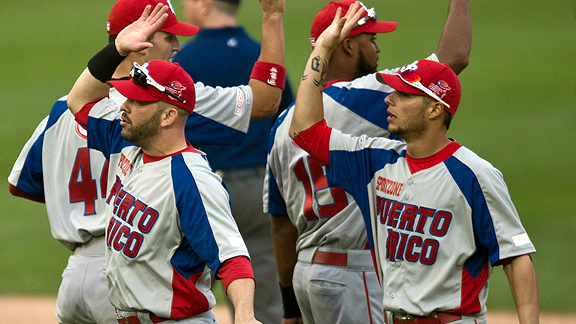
(304, 77)
(315, 64)
(322, 74)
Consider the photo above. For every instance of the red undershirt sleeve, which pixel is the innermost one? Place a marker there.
(316, 141)
(15, 191)
(82, 115)
(235, 268)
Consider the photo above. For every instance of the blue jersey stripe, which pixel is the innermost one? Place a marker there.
(484, 233)
(366, 103)
(194, 224)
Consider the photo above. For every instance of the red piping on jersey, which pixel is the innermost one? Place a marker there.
(416, 165)
(150, 158)
(327, 84)
(367, 296)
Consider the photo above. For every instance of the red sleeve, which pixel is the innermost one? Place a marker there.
(316, 141)
(15, 191)
(82, 115)
(235, 268)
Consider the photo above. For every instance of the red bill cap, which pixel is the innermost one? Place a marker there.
(366, 24)
(152, 82)
(427, 78)
(126, 12)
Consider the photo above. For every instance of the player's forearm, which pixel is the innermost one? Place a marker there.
(267, 97)
(456, 40)
(86, 89)
(524, 288)
(241, 294)
(309, 108)
(284, 237)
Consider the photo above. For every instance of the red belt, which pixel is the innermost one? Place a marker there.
(133, 319)
(441, 318)
(332, 258)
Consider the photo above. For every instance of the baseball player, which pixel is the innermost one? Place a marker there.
(438, 216)
(55, 166)
(170, 231)
(222, 54)
(324, 226)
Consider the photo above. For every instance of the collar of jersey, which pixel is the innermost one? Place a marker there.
(150, 158)
(416, 165)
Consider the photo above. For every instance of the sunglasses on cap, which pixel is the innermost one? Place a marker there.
(141, 77)
(370, 14)
(412, 78)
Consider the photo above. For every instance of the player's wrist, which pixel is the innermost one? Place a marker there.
(291, 308)
(103, 65)
(270, 73)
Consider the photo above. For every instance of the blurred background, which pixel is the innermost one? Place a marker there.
(518, 111)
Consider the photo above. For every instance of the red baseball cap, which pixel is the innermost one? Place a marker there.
(126, 12)
(159, 81)
(427, 78)
(366, 24)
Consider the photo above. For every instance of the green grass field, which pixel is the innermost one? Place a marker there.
(518, 111)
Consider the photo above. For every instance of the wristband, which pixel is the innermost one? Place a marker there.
(269, 73)
(291, 309)
(103, 65)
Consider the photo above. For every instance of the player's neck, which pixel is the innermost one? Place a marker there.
(427, 145)
(165, 145)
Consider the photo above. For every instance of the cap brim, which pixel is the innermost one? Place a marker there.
(381, 27)
(182, 29)
(396, 83)
(128, 89)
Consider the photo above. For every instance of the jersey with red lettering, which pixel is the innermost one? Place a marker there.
(170, 225)
(438, 224)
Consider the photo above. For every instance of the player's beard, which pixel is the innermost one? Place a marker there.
(412, 129)
(143, 133)
(363, 66)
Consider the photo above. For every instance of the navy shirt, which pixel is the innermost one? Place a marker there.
(225, 57)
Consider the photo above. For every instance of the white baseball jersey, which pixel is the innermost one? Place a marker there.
(170, 225)
(324, 216)
(55, 163)
(438, 224)
(75, 188)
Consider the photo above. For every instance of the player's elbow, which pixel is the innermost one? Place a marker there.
(459, 63)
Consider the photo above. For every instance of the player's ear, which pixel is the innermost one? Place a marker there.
(436, 109)
(349, 46)
(169, 116)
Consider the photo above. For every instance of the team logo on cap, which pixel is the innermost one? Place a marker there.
(440, 88)
(412, 67)
(176, 88)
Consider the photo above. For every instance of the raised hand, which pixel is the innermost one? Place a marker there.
(270, 7)
(134, 37)
(332, 36)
